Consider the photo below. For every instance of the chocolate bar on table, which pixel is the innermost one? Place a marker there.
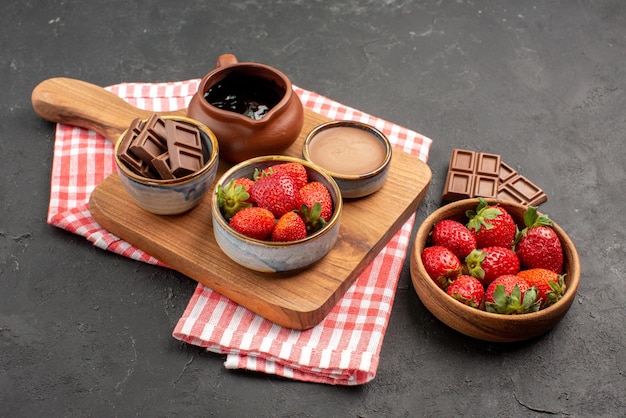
(513, 186)
(478, 174)
(472, 174)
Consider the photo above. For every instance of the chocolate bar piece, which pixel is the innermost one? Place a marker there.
(184, 147)
(156, 126)
(134, 163)
(161, 148)
(147, 146)
(513, 186)
(472, 174)
(162, 165)
(478, 174)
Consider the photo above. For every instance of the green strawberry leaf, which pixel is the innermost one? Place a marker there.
(474, 261)
(311, 217)
(532, 218)
(512, 304)
(232, 198)
(466, 301)
(483, 213)
(262, 173)
(557, 290)
(530, 302)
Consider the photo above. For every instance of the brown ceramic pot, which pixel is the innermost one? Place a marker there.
(242, 137)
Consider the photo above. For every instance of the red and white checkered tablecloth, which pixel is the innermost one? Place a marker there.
(343, 349)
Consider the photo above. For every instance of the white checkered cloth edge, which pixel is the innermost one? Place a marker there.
(342, 349)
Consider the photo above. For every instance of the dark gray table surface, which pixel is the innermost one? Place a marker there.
(84, 332)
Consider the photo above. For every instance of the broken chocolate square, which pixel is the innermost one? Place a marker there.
(515, 187)
(184, 147)
(134, 163)
(162, 165)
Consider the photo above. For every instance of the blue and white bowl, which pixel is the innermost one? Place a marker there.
(175, 196)
(274, 257)
(354, 185)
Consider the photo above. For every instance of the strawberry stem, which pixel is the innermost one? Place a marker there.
(513, 304)
(474, 263)
(532, 219)
(482, 213)
(311, 217)
(232, 198)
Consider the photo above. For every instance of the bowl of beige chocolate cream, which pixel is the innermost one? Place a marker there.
(355, 154)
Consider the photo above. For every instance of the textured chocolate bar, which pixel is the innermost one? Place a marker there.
(134, 163)
(472, 174)
(147, 145)
(162, 165)
(513, 186)
(184, 147)
(161, 148)
(156, 126)
(478, 174)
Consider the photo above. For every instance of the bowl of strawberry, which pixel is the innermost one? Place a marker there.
(276, 213)
(494, 270)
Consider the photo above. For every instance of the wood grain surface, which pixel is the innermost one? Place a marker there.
(185, 242)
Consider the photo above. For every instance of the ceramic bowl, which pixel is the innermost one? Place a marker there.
(355, 154)
(242, 136)
(480, 324)
(273, 257)
(175, 196)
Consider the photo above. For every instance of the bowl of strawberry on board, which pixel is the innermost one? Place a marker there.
(276, 213)
(494, 270)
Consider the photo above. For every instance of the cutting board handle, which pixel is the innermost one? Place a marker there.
(74, 102)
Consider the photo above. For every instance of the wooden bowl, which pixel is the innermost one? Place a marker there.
(480, 324)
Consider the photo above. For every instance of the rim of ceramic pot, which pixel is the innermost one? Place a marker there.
(255, 69)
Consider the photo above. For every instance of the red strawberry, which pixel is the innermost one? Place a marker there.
(510, 294)
(253, 222)
(316, 192)
(490, 262)
(537, 245)
(493, 226)
(455, 236)
(290, 227)
(294, 170)
(441, 265)
(276, 193)
(550, 285)
(232, 198)
(468, 290)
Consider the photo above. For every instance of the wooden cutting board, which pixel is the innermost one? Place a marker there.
(186, 243)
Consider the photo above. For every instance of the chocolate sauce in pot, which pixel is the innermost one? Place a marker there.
(248, 95)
